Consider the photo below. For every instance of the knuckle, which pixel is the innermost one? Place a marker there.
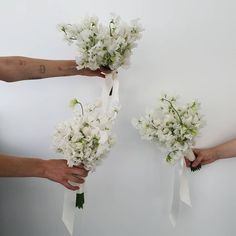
(82, 172)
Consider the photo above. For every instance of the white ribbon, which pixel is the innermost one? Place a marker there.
(68, 215)
(69, 208)
(181, 188)
(111, 84)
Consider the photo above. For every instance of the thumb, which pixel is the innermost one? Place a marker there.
(198, 159)
(187, 161)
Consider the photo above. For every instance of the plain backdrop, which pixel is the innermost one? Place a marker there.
(188, 48)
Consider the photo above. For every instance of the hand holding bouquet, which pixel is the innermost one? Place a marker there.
(86, 138)
(173, 127)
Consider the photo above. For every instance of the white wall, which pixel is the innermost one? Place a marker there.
(189, 49)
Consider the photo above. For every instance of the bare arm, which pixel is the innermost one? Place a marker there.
(55, 170)
(209, 155)
(23, 68)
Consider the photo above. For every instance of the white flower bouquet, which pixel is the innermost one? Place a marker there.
(86, 138)
(173, 127)
(100, 45)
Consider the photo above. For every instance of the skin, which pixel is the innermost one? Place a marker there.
(54, 170)
(17, 68)
(212, 154)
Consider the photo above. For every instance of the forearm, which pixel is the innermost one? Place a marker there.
(22, 68)
(55, 170)
(225, 150)
(21, 167)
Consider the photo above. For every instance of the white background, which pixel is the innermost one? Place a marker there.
(188, 48)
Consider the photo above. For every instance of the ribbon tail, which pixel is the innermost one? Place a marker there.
(115, 94)
(106, 89)
(110, 99)
(181, 191)
(184, 185)
(68, 215)
(69, 207)
(174, 213)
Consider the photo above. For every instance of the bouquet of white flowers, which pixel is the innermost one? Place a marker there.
(173, 127)
(86, 138)
(99, 45)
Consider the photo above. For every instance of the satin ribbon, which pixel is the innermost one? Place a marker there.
(181, 191)
(111, 84)
(108, 101)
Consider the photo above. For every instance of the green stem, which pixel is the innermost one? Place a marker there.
(181, 122)
(111, 22)
(79, 200)
(72, 38)
(63, 29)
(169, 158)
(173, 151)
(82, 109)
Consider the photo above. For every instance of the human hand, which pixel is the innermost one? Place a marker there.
(101, 72)
(58, 171)
(203, 157)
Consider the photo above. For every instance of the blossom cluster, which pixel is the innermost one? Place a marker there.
(87, 137)
(171, 126)
(100, 45)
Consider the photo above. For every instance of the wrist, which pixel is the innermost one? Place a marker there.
(72, 68)
(42, 168)
(215, 153)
